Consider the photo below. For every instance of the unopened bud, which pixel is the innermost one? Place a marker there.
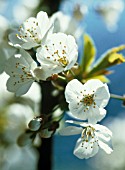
(35, 124)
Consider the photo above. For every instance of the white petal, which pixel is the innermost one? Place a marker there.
(96, 114)
(83, 124)
(77, 111)
(72, 52)
(70, 130)
(92, 85)
(42, 73)
(29, 45)
(103, 129)
(87, 150)
(102, 96)
(105, 147)
(103, 137)
(24, 60)
(14, 40)
(24, 88)
(11, 68)
(70, 27)
(55, 18)
(102, 114)
(28, 58)
(72, 90)
(20, 88)
(43, 22)
(48, 33)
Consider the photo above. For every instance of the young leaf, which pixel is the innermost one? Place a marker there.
(89, 53)
(101, 77)
(110, 58)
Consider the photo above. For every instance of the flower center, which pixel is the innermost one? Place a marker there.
(88, 134)
(59, 54)
(29, 32)
(63, 61)
(24, 75)
(88, 100)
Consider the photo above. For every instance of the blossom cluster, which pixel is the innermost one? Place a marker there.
(45, 52)
(87, 102)
(54, 53)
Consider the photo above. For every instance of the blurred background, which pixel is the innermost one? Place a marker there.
(104, 21)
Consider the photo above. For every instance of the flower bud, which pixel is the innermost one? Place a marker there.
(35, 124)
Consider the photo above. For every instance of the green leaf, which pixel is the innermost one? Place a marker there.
(89, 53)
(110, 58)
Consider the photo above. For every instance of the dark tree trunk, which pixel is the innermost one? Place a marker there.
(47, 104)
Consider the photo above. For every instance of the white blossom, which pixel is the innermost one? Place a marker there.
(92, 137)
(58, 54)
(32, 32)
(87, 101)
(20, 69)
(70, 27)
(115, 161)
(13, 122)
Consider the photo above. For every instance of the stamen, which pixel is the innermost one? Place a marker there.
(88, 100)
(87, 135)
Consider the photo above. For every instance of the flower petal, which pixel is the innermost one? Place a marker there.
(96, 114)
(44, 22)
(28, 58)
(103, 137)
(14, 40)
(19, 88)
(105, 147)
(103, 130)
(86, 150)
(70, 130)
(24, 88)
(29, 45)
(72, 90)
(83, 124)
(92, 84)
(77, 111)
(41, 73)
(11, 67)
(102, 96)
